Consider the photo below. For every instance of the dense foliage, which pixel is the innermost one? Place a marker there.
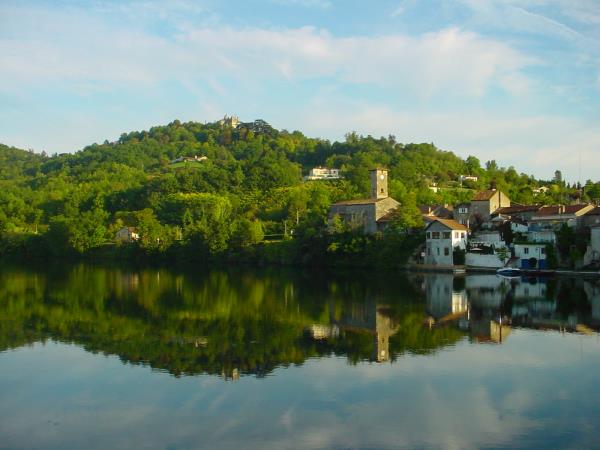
(248, 191)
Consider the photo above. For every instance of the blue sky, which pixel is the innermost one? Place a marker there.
(513, 80)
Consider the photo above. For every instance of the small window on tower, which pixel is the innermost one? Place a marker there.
(382, 190)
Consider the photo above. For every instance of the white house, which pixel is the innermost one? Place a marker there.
(442, 237)
(323, 173)
(127, 234)
(542, 236)
(531, 256)
(442, 298)
(593, 251)
(491, 238)
(595, 241)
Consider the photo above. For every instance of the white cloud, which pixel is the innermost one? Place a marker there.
(80, 48)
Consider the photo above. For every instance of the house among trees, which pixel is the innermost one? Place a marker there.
(323, 173)
(194, 158)
(127, 235)
(371, 214)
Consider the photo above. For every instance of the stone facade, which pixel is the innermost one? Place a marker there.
(485, 203)
(367, 214)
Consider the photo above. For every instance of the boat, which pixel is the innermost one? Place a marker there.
(509, 272)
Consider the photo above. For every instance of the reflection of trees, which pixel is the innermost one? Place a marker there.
(219, 323)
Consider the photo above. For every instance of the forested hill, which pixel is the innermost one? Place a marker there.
(248, 184)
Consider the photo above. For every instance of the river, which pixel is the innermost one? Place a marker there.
(116, 357)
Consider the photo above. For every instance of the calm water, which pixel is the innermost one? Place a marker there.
(94, 357)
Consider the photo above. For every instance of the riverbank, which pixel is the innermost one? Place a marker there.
(489, 270)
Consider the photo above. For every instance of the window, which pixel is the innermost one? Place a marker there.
(543, 251)
(447, 235)
(462, 210)
(429, 235)
(446, 251)
(435, 235)
(456, 234)
(438, 251)
(429, 251)
(526, 250)
(462, 235)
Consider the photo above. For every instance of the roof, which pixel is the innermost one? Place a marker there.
(362, 201)
(517, 209)
(452, 224)
(388, 217)
(484, 195)
(437, 210)
(556, 210)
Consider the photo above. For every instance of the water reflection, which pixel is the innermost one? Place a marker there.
(222, 323)
(342, 361)
(238, 323)
(488, 306)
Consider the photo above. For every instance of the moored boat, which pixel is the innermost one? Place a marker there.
(509, 272)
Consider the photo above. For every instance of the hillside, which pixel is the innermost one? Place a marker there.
(250, 184)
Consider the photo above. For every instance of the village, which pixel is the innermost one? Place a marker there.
(488, 233)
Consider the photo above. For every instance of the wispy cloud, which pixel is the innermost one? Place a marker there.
(83, 49)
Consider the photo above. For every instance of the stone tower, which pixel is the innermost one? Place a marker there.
(379, 183)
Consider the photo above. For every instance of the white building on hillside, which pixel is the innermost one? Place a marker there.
(323, 173)
(442, 237)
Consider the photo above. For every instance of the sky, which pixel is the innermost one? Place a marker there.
(517, 81)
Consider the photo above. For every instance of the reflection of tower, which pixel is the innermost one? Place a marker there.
(384, 329)
(371, 318)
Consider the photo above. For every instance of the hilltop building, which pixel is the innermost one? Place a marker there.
(232, 121)
(323, 173)
(371, 214)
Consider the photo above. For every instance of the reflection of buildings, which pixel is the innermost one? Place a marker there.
(495, 304)
(486, 329)
(318, 331)
(368, 317)
(443, 301)
(477, 307)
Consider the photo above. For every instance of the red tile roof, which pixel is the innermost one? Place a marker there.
(452, 224)
(556, 210)
(518, 209)
(484, 195)
(362, 201)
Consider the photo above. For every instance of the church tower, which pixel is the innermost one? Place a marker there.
(379, 183)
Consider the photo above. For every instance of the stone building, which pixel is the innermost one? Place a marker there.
(442, 237)
(227, 121)
(486, 202)
(127, 235)
(371, 214)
